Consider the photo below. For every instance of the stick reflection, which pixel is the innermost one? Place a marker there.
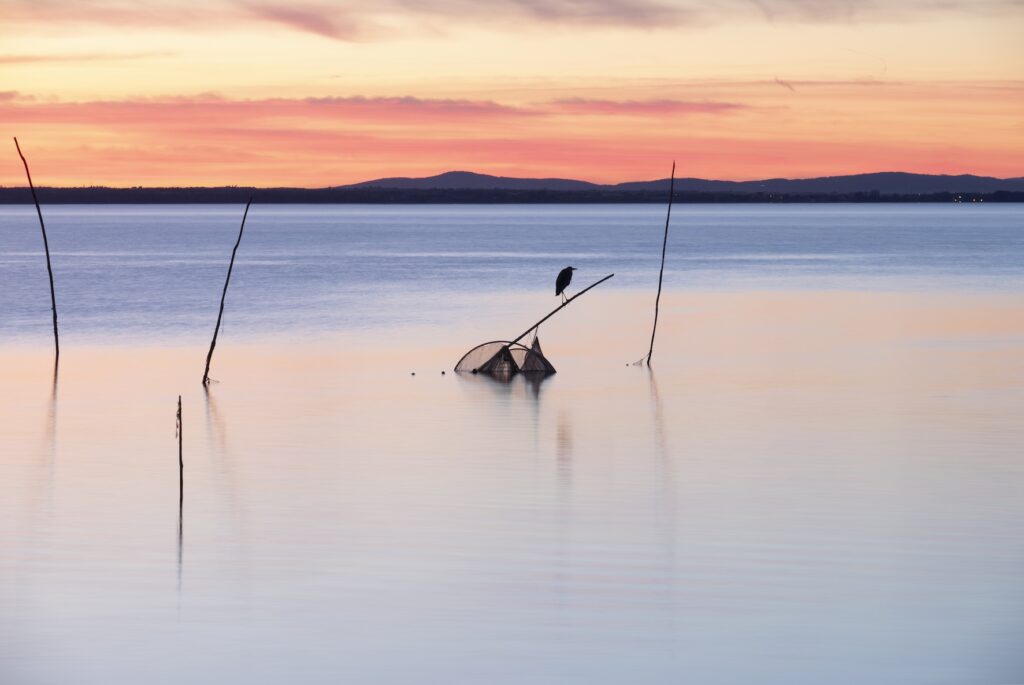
(39, 498)
(216, 430)
(50, 432)
(666, 469)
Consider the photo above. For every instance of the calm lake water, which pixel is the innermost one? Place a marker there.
(820, 481)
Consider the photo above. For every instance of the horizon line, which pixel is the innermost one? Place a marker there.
(523, 178)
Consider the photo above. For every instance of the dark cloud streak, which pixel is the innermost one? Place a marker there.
(645, 107)
(351, 21)
(308, 19)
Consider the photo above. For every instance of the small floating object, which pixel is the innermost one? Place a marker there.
(413, 373)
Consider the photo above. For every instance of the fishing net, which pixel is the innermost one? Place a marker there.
(504, 359)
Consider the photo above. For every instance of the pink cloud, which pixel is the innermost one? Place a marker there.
(211, 140)
(348, 21)
(475, 107)
(163, 13)
(211, 110)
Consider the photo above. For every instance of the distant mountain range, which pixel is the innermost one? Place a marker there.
(464, 187)
(886, 183)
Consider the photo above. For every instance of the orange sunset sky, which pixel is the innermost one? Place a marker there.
(319, 93)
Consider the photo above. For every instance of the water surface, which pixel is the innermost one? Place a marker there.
(819, 481)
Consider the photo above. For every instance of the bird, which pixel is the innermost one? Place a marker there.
(562, 282)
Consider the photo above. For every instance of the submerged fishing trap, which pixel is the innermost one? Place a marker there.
(503, 359)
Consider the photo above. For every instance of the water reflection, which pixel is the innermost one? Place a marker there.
(39, 498)
(520, 385)
(216, 431)
(224, 478)
(660, 443)
(620, 522)
(563, 452)
(666, 485)
(181, 535)
(50, 431)
(217, 446)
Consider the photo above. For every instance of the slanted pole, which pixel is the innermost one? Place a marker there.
(559, 308)
(46, 247)
(220, 314)
(661, 272)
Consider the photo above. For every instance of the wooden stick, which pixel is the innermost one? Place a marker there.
(557, 309)
(220, 314)
(661, 273)
(46, 246)
(181, 489)
(181, 463)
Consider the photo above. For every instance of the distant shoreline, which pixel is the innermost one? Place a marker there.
(479, 196)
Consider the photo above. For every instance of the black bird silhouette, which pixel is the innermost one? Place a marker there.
(562, 282)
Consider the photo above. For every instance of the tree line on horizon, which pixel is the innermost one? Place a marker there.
(375, 195)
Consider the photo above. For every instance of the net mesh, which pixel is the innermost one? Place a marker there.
(535, 361)
(503, 359)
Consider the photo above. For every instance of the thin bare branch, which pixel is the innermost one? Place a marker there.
(661, 272)
(46, 247)
(559, 308)
(224, 294)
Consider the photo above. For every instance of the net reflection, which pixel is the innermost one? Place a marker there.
(563, 451)
(518, 386)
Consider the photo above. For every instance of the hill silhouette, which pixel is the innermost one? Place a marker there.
(465, 187)
(886, 183)
(467, 180)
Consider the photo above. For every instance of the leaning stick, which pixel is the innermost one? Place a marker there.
(559, 308)
(661, 272)
(220, 314)
(46, 246)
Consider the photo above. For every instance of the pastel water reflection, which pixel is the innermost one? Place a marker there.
(833, 501)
